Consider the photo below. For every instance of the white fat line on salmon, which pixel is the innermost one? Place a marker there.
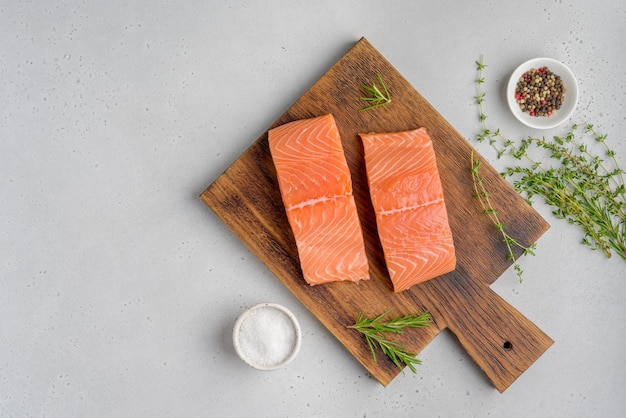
(392, 211)
(311, 202)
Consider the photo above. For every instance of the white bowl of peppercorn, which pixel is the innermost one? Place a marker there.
(542, 93)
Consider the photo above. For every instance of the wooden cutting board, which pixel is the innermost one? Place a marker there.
(246, 198)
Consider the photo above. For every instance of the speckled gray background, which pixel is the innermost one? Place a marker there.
(119, 288)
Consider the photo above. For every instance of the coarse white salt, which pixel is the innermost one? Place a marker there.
(266, 336)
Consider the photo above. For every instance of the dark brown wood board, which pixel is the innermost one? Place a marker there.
(246, 197)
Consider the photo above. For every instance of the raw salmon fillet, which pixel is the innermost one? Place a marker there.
(409, 204)
(316, 188)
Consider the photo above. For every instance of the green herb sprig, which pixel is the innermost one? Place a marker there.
(584, 186)
(484, 198)
(375, 329)
(376, 97)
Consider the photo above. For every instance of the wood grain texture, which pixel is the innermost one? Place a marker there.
(247, 199)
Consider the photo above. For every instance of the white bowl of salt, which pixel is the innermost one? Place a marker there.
(267, 336)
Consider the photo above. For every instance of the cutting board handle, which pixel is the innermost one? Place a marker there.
(502, 341)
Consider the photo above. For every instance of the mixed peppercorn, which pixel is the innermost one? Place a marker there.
(539, 92)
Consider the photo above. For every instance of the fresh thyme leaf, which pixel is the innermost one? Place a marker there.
(584, 186)
(375, 329)
(483, 197)
(376, 97)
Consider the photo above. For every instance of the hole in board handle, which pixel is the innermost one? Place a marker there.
(507, 345)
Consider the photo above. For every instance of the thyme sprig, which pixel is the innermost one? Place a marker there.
(494, 137)
(584, 186)
(376, 97)
(484, 198)
(375, 329)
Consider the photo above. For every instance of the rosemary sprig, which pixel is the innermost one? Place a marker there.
(376, 97)
(484, 198)
(375, 329)
(583, 188)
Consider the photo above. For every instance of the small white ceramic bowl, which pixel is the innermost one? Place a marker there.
(267, 336)
(570, 98)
